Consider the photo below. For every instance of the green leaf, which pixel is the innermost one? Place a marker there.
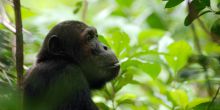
(150, 35)
(215, 105)
(199, 5)
(156, 21)
(218, 5)
(129, 63)
(179, 97)
(189, 19)
(119, 12)
(195, 7)
(178, 53)
(202, 106)
(119, 42)
(215, 29)
(122, 81)
(103, 106)
(197, 101)
(126, 99)
(78, 7)
(173, 3)
(206, 2)
(152, 69)
(126, 3)
(103, 40)
(76, 10)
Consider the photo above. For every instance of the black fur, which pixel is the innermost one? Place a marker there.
(70, 64)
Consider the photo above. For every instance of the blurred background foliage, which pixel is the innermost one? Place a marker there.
(164, 64)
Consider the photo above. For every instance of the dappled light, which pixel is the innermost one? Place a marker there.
(167, 51)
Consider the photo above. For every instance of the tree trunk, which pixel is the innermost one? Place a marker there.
(19, 43)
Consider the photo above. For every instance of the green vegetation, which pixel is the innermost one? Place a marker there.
(169, 50)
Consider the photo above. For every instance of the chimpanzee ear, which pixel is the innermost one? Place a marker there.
(54, 45)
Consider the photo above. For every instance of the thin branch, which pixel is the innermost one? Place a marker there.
(205, 29)
(7, 78)
(195, 36)
(213, 99)
(19, 43)
(198, 47)
(5, 21)
(113, 97)
(85, 8)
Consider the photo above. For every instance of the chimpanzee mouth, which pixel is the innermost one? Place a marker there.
(111, 65)
(115, 68)
(114, 65)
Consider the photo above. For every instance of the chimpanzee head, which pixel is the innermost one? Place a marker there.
(78, 43)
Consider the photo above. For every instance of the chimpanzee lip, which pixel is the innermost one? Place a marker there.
(115, 69)
(111, 65)
(114, 65)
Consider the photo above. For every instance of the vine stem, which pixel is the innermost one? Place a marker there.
(19, 43)
(205, 29)
(198, 47)
(113, 97)
(213, 99)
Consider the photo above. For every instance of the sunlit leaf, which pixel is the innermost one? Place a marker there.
(128, 3)
(119, 42)
(126, 99)
(179, 97)
(151, 69)
(173, 3)
(151, 35)
(122, 81)
(178, 53)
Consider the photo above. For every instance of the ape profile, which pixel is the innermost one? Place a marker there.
(70, 63)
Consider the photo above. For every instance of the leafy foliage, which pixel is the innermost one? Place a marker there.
(164, 64)
(173, 3)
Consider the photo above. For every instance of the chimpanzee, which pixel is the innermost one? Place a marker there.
(70, 64)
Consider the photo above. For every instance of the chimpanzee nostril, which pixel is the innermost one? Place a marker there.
(105, 47)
